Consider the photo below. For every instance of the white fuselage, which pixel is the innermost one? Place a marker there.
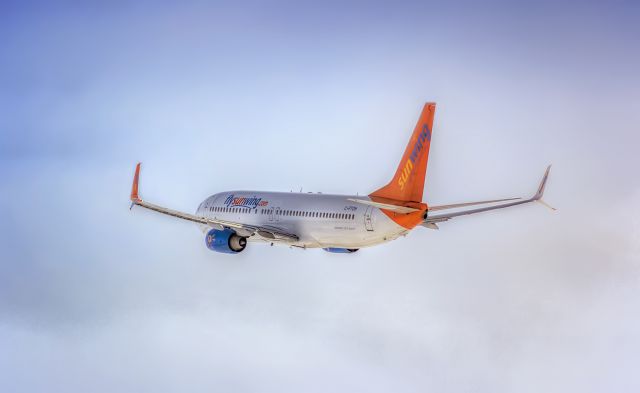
(319, 220)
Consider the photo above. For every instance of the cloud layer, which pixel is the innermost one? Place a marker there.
(94, 297)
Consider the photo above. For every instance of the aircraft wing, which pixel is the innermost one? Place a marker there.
(431, 221)
(270, 233)
(458, 205)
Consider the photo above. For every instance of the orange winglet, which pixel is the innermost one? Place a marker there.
(134, 187)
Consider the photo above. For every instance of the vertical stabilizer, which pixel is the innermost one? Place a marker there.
(408, 182)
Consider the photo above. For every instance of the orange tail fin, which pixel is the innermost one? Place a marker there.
(408, 182)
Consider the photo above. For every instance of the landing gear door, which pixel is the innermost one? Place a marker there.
(368, 222)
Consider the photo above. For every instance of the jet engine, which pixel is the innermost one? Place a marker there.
(225, 240)
(340, 250)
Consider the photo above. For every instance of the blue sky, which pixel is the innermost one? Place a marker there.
(290, 95)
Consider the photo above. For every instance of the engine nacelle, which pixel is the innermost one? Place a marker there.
(225, 240)
(340, 250)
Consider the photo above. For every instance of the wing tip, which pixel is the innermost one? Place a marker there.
(540, 193)
(543, 184)
(134, 187)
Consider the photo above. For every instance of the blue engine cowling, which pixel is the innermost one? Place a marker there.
(340, 250)
(225, 240)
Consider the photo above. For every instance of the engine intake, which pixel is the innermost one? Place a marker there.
(225, 240)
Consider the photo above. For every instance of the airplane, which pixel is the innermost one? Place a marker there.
(336, 223)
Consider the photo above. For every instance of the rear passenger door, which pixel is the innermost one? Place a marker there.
(368, 222)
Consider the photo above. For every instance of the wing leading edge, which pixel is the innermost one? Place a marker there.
(431, 221)
(269, 233)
